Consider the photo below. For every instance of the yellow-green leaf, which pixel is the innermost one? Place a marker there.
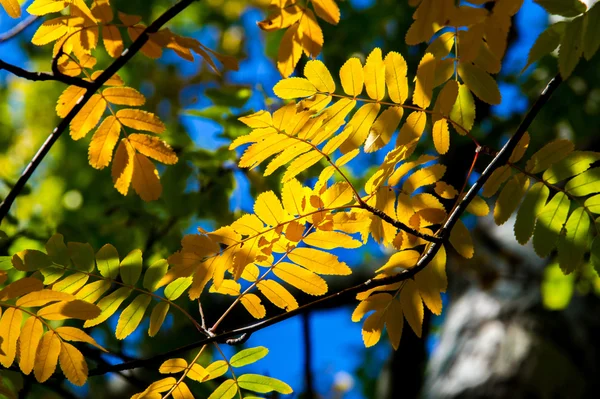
(131, 267)
(480, 83)
(510, 198)
(499, 176)
(177, 287)
(548, 155)
(157, 317)
(154, 274)
(461, 240)
(585, 183)
(520, 149)
(546, 43)
(263, 384)
(227, 390)
(109, 305)
(93, 291)
(573, 244)
(463, 111)
(132, 316)
(571, 46)
(549, 224)
(591, 40)
(107, 259)
(572, 165)
(248, 356)
(532, 205)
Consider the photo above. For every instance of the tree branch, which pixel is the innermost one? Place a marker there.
(500, 159)
(43, 76)
(126, 55)
(18, 28)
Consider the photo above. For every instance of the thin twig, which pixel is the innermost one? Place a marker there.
(500, 159)
(18, 28)
(120, 62)
(44, 76)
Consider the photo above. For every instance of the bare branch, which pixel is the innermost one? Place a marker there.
(18, 28)
(96, 85)
(500, 159)
(43, 76)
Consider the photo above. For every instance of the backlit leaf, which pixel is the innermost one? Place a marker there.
(263, 384)
(172, 366)
(549, 224)
(107, 259)
(571, 46)
(532, 205)
(395, 77)
(412, 306)
(248, 356)
(327, 10)
(424, 81)
(584, 184)
(73, 364)
(317, 73)
(77, 335)
(157, 317)
(277, 294)
(140, 120)
(132, 316)
(573, 244)
(12, 8)
(103, 142)
(352, 77)
(566, 8)
(29, 340)
(301, 278)
(572, 165)
(109, 305)
(461, 240)
(463, 111)
(10, 329)
(123, 96)
(480, 83)
(227, 390)
(591, 41)
(253, 305)
(131, 267)
(403, 259)
(47, 356)
(145, 180)
(76, 309)
(294, 88)
(88, 117)
(510, 198)
(375, 75)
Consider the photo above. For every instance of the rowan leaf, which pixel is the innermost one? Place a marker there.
(47, 356)
(319, 262)
(424, 81)
(140, 120)
(20, 287)
(591, 41)
(76, 309)
(573, 244)
(263, 384)
(327, 10)
(532, 205)
(412, 306)
(352, 77)
(317, 73)
(402, 259)
(463, 111)
(571, 46)
(10, 329)
(382, 129)
(248, 356)
(520, 149)
(108, 306)
(153, 147)
(546, 43)
(441, 136)
(131, 267)
(584, 184)
(12, 8)
(394, 322)
(73, 364)
(172, 366)
(253, 305)
(461, 240)
(374, 75)
(593, 204)
(294, 88)
(29, 340)
(42, 298)
(395, 77)
(372, 328)
(157, 317)
(123, 96)
(331, 240)
(510, 198)
(303, 279)
(566, 8)
(290, 50)
(145, 179)
(107, 259)
(312, 35)
(68, 99)
(77, 335)
(277, 294)
(572, 165)
(177, 287)
(198, 373)
(227, 390)
(88, 117)
(423, 177)
(154, 274)
(549, 224)
(497, 178)
(132, 316)
(480, 83)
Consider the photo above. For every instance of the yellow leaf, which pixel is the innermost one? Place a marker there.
(441, 136)
(375, 75)
(478, 206)
(123, 96)
(301, 278)
(103, 142)
(463, 111)
(73, 364)
(102, 11)
(520, 149)
(10, 329)
(93, 291)
(114, 80)
(294, 88)
(319, 262)
(269, 209)
(253, 305)
(20, 287)
(447, 98)
(461, 240)
(395, 77)
(360, 125)
(43, 297)
(12, 7)
(153, 147)
(132, 315)
(113, 41)
(172, 366)
(47, 356)
(290, 50)
(411, 132)
(72, 283)
(352, 77)
(372, 328)
(423, 177)
(510, 198)
(480, 83)
(157, 317)
(548, 155)
(445, 190)
(227, 287)
(331, 240)
(432, 280)
(88, 117)
(312, 35)
(441, 47)
(498, 177)
(403, 259)
(50, 30)
(394, 321)
(412, 306)
(338, 195)
(109, 305)
(277, 294)
(382, 129)
(76, 309)
(156, 388)
(30, 337)
(317, 73)
(77, 335)
(424, 81)
(68, 99)
(145, 180)
(327, 10)
(369, 304)
(141, 120)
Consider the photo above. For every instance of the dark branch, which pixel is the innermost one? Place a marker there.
(43, 76)
(20, 27)
(500, 159)
(95, 86)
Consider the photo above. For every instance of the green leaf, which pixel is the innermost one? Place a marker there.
(6, 262)
(157, 317)
(534, 202)
(230, 96)
(595, 254)
(248, 356)
(52, 273)
(585, 183)
(131, 267)
(591, 39)
(226, 390)
(574, 164)
(550, 222)
(56, 248)
(571, 47)
(592, 204)
(573, 245)
(154, 273)
(216, 369)
(107, 259)
(177, 287)
(557, 288)
(548, 155)
(82, 256)
(566, 8)
(263, 384)
(3, 236)
(480, 83)
(546, 43)
(132, 316)
(510, 197)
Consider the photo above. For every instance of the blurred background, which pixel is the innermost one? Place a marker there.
(513, 325)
